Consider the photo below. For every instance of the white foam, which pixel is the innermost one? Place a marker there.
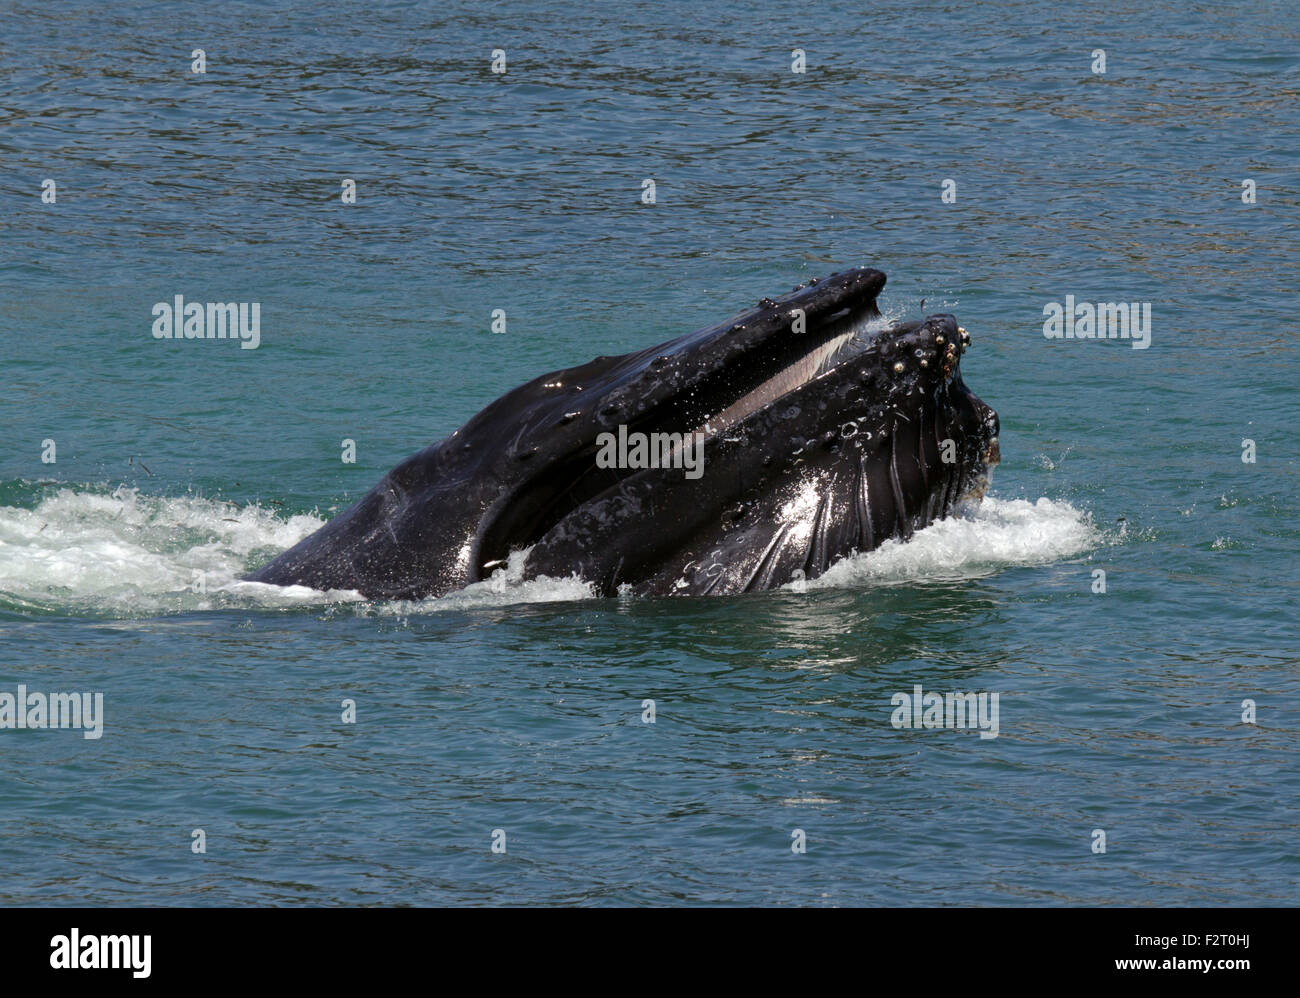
(121, 553)
(996, 534)
(504, 587)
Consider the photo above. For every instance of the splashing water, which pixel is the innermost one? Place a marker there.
(124, 554)
(121, 552)
(996, 534)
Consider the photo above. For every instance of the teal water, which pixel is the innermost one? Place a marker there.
(518, 706)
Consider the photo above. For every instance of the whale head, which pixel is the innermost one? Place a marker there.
(739, 457)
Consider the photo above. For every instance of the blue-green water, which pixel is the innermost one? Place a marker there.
(518, 706)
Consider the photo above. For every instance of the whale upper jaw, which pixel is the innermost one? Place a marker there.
(797, 393)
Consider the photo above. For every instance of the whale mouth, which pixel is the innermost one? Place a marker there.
(786, 362)
(808, 395)
(718, 390)
(822, 359)
(700, 388)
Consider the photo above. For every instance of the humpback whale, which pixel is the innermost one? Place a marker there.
(819, 430)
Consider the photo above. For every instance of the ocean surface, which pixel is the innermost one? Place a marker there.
(513, 712)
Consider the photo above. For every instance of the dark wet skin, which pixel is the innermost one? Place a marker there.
(882, 441)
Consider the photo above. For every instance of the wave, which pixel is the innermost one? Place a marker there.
(120, 553)
(992, 536)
